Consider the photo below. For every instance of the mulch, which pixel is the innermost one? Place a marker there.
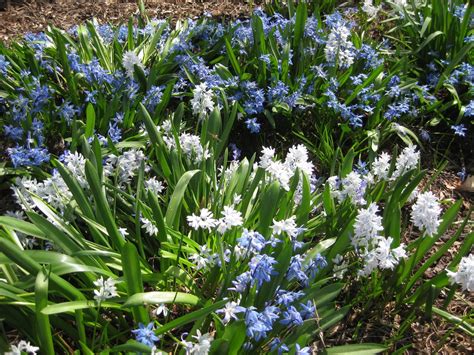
(35, 15)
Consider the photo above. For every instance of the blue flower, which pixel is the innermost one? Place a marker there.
(285, 298)
(302, 351)
(251, 241)
(257, 328)
(307, 310)
(276, 344)
(459, 130)
(145, 334)
(26, 156)
(265, 58)
(252, 125)
(68, 111)
(261, 269)
(295, 270)
(291, 317)
(14, 133)
(425, 135)
(469, 110)
(241, 283)
(319, 262)
(153, 98)
(114, 132)
(4, 64)
(462, 174)
(258, 324)
(235, 151)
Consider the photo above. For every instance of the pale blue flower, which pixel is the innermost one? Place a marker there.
(145, 334)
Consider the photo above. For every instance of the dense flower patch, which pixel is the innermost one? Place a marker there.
(154, 215)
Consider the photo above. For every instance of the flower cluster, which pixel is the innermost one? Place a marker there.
(464, 276)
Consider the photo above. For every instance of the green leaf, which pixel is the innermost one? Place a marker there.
(232, 58)
(140, 299)
(190, 317)
(90, 121)
(357, 349)
(133, 277)
(172, 216)
(66, 307)
(268, 207)
(462, 323)
(42, 320)
(102, 205)
(22, 226)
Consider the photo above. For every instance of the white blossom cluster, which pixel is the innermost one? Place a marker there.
(205, 220)
(190, 145)
(406, 161)
(154, 185)
(464, 276)
(425, 213)
(382, 256)
(124, 166)
(202, 101)
(106, 289)
(354, 184)
(339, 47)
(369, 8)
(129, 60)
(202, 346)
(22, 347)
(283, 171)
(52, 190)
(375, 250)
(205, 259)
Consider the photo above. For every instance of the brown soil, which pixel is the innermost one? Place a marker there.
(35, 15)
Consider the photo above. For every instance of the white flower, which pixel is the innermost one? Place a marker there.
(190, 145)
(21, 347)
(353, 186)
(204, 220)
(367, 226)
(339, 46)
(425, 213)
(76, 163)
(231, 218)
(155, 186)
(401, 3)
(267, 157)
(286, 226)
(381, 166)
(129, 60)
(382, 256)
(162, 309)
(406, 161)
(149, 227)
(123, 232)
(202, 345)
(369, 8)
(283, 171)
(204, 259)
(202, 100)
(230, 311)
(106, 289)
(465, 274)
(340, 267)
(297, 158)
(125, 165)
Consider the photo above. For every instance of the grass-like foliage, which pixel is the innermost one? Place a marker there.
(139, 229)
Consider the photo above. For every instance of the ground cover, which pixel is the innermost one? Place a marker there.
(239, 185)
